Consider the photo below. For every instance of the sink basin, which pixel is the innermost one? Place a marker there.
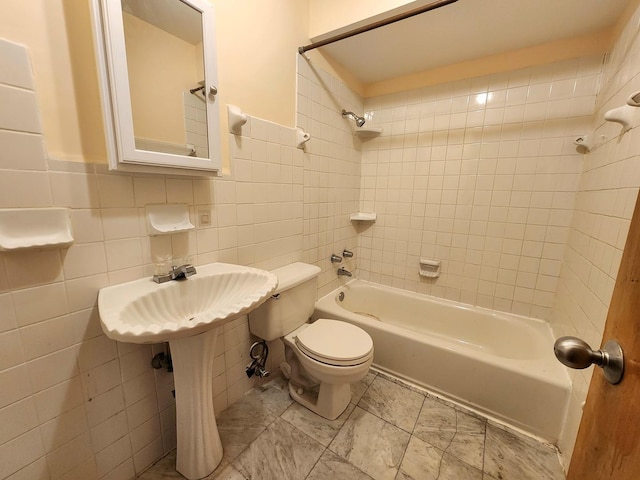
(143, 311)
(189, 315)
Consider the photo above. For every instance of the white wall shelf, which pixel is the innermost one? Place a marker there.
(363, 217)
(366, 133)
(22, 228)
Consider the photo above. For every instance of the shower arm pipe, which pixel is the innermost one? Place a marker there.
(374, 25)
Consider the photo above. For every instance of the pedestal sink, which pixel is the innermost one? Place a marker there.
(189, 315)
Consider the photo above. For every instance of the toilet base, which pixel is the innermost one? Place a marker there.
(330, 402)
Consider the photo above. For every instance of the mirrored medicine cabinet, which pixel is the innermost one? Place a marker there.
(158, 80)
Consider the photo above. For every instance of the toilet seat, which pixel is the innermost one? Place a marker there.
(334, 342)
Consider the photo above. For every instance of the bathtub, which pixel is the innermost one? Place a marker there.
(499, 364)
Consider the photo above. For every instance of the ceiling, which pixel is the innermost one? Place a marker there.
(465, 30)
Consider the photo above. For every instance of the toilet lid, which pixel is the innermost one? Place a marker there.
(334, 342)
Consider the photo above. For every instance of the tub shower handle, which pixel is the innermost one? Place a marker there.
(576, 353)
(335, 258)
(347, 254)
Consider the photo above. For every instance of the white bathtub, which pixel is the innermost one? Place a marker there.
(497, 363)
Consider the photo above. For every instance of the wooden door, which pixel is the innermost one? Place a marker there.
(608, 444)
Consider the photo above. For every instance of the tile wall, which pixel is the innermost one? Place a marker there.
(331, 171)
(480, 174)
(73, 403)
(603, 208)
(195, 122)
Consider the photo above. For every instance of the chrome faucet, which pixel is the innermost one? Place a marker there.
(176, 273)
(343, 271)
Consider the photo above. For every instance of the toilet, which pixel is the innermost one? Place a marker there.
(323, 358)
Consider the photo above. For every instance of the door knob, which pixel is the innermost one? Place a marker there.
(576, 353)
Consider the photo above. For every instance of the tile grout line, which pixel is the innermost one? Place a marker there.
(424, 398)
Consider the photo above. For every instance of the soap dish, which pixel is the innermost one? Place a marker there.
(166, 219)
(429, 268)
(22, 228)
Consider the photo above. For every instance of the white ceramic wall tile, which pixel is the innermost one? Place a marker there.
(113, 455)
(17, 419)
(101, 379)
(24, 189)
(85, 470)
(104, 406)
(49, 336)
(54, 368)
(96, 352)
(63, 428)
(16, 70)
(124, 471)
(87, 226)
(461, 196)
(73, 190)
(20, 110)
(124, 253)
(115, 191)
(85, 259)
(20, 452)
(58, 399)
(37, 469)
(109, 431)
(603, 206)
(69, 456)
(82, 293)
(11, 350)
(21, 151)
(39, 303)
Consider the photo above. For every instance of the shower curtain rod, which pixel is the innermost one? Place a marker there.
(374, 25)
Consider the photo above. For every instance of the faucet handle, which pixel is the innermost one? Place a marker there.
(335, 258)
(347, 253)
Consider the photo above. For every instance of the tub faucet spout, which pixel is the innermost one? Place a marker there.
(345, 272)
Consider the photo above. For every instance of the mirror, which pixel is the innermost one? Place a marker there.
(158, 67)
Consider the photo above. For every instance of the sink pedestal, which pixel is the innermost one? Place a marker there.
(199, 450)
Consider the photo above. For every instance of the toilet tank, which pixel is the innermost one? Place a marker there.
(291, 304)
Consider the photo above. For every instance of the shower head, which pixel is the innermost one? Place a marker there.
(359, 120)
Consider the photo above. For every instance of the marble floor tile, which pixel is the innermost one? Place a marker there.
(512, 456)
(468, 442)
(423, 461)
(393, 403)
(357, 391)
(165, 468)
(274, 396)
(242, 422)
(281, 452)
(332, 467)
(358, 388)
(226, 472)
(317, 427)
(371, 444)
(268, 436)
(369, 377)
(436, 423)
